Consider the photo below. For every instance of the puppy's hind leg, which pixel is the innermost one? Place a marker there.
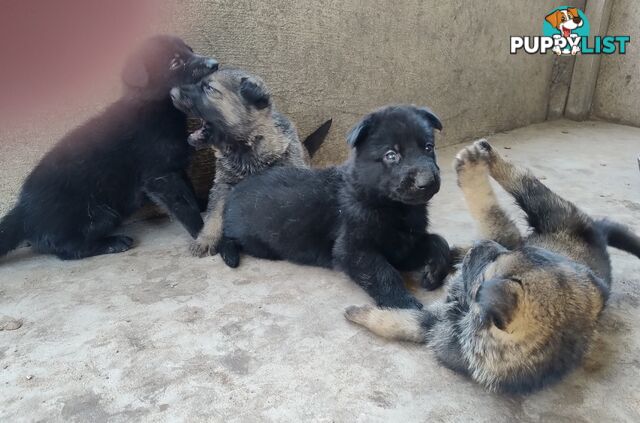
(473, 179)
(546, 211)
(389, 323)
(399, 324)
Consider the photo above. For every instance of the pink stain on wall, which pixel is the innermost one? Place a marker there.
(54, 51)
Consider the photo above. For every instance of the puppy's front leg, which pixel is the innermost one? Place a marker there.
(379, 278)
(211, 233)
(432, 258)
(173, 192)
(472, 167)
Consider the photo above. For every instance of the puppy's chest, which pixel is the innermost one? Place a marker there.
(238, 164)
(398, 231)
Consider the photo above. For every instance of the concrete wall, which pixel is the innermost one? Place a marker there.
(616, 97)
(341, 59)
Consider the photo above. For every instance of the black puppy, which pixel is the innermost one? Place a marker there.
(100, 172)
(367, 217)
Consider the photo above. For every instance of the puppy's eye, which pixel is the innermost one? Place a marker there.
(428, 148)
(176, 63)
(563, 18)
(391, 156)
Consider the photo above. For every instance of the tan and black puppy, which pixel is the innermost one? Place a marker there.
(247, 133)
(521, 311)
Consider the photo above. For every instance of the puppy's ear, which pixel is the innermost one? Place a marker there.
(254, 93)
(553, 18)
(498, 299)
(135, 73)
(431, 117)
(574, 12)
(359, 132)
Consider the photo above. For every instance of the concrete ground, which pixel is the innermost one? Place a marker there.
(154, 334)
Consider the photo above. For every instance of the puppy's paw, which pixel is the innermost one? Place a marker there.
(117, 244)
(202, 247)
(433, 278)
(229, 252)
(439, 263)
(358, 314)
(471, 159)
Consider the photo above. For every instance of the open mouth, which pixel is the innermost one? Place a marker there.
(566, 32)
(198, 139)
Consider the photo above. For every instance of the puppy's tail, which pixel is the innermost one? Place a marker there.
(230, 252)
(391, 323)
(313, 142)
(619, 236)
(12, 231)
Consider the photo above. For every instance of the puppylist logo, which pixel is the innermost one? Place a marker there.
(565, 31)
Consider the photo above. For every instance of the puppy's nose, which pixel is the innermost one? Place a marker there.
(423, 180)
(577, 19)
(211, 64)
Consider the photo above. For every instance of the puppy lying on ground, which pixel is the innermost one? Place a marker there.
(368, 217)
(100, 172)
(247, 133)
(520, 312)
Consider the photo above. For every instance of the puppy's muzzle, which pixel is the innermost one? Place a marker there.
(425, 180)
(426, 183)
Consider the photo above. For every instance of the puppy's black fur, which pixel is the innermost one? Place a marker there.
(100, 172)
(367, 217)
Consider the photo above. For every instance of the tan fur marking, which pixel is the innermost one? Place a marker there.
(473, 178)
(398, 324)
(210, 234)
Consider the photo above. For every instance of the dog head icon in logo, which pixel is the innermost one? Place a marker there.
(566, 22)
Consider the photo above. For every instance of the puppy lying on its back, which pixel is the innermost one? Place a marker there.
(368, 217)
(247, 133)
(100, 172)
(520, 312)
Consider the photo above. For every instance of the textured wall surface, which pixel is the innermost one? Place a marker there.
(616, 97)
(340, 59)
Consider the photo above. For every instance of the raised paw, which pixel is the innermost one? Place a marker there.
(477, 154)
